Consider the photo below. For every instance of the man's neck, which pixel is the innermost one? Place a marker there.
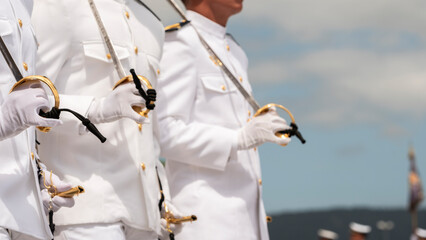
(208, 12)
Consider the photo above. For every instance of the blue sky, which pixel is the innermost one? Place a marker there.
(353, 74)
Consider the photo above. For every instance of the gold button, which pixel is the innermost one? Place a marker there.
(227, 48)
(32, 155)
(20, 22)
(241, 79)
(260, 181)
(109, 56)
(268, 219)
(248, 119)
(127, 15)
(143, 166)
(223, 87)
(249, 113)
(255, 149)
(158, 71)
(214, 60)
(136, 50)
(25, 66)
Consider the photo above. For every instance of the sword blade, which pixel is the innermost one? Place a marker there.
(9, 60)
(178, 9)
(107, 40)
(249, 98)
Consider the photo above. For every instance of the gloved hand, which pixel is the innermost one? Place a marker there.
(176, 228)
(117, 104)
(56, 202)
(262, 129)
(20, 110)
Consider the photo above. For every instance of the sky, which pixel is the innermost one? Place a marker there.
(353, 74)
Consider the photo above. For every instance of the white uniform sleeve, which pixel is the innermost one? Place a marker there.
(51, 20)
(181, 139)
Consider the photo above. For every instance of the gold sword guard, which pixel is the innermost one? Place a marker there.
(46, 81)
(145, 81)
(267, 108)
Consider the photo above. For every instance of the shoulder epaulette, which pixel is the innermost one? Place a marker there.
(176, 26)
(149, 9)
(230, 35)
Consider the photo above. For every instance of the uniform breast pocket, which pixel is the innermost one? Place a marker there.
(216, 86)
(99, 63)
(5, 28)
(215, 101)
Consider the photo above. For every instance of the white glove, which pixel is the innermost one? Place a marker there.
(56, 202)
(20, 110)
(117, 104)
(176, 228)
(262, 129)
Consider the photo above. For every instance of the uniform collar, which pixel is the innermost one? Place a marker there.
(206, 25)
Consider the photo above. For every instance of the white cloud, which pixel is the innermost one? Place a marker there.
(354, 85)
(394, 82)
(313, 18)
(309, 19)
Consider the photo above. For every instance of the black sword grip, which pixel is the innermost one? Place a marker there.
(150, 96)
(293, 131)
(53, 113)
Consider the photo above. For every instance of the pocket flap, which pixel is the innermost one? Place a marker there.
(99, 51)
(5, 27)
(217, 84)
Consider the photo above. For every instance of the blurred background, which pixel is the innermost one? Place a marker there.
(353, 73)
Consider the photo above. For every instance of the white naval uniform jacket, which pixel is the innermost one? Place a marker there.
(199, 112)
(21, 209)
(119, 175)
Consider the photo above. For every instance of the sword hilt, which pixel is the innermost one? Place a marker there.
(150, 96)
(56, 111)
(70, 193)
(182, 219)
(293, 131)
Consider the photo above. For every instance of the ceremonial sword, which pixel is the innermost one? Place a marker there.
(55, 111)
(150, 95)
(249, 97)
